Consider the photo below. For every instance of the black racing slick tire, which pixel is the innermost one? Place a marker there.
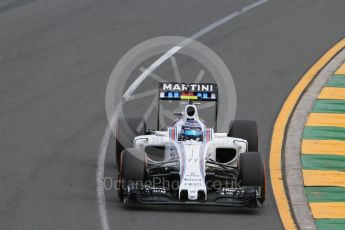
(126, 131)
(132, 168)
(252, 172)
(247, 130)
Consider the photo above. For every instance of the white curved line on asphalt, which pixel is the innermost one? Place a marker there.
(102, 208)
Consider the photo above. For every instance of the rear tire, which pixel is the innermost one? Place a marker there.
(132, 168)
(247, 130)
(252, 171)
(126, 131)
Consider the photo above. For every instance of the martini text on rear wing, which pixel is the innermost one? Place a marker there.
(182, 91)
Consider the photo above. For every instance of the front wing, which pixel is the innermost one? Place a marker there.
(233, 197)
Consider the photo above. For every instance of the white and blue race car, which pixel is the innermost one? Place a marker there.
(187, 162)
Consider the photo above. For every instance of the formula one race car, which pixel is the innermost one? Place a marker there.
(187, 162)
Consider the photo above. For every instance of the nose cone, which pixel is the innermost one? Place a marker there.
(192, 185)
(192, 194)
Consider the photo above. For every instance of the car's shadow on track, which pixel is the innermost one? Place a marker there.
(191, 209)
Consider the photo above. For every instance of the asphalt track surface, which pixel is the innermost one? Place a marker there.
(55, 60)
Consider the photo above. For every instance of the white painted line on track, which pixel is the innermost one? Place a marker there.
(102, 208)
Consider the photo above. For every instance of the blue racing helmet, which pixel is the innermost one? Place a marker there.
(191, 130)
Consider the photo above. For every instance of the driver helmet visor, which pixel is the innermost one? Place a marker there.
(192, 132)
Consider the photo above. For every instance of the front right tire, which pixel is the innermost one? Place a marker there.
(132, 169)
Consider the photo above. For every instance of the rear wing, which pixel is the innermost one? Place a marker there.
(193, 92)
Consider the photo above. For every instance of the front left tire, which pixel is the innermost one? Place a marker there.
(252, 172)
